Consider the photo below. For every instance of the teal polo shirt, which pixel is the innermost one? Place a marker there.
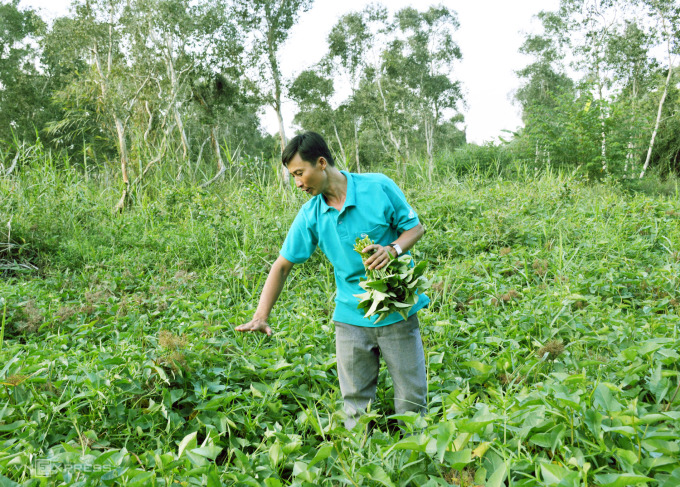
(374, 206)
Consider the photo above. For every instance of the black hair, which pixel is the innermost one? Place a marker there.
(310, 146)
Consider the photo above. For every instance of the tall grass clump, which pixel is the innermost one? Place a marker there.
(471, 159)
(551, 340)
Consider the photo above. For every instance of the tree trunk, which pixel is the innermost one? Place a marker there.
(429, 144)
(393, 139)
(630, 148)
(174, 89)
(342, 149)
(120, 127)
(382, 139)
(221, 168)
(536, 155)
(658, 120)
(150, 124)
(279, 117)
(629, 166)
(182, 133)
(285, 175)
(122, 150)
(603, 143)
(200, 153)
(663, 96)
(276, 75)
(218, 153)
(356, 144)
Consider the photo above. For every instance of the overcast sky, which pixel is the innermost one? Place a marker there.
(490, 34)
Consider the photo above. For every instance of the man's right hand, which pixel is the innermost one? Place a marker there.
(256, 324)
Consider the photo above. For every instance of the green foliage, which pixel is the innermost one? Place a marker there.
(391, 289)
(403, 102)
(602, 114)
(551, 340)
(22, 99)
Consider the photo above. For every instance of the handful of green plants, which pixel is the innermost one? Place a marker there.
(391, 289)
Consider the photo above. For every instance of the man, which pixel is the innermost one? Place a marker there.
(345, 206)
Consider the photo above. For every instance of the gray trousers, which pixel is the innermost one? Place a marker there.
(358, 350)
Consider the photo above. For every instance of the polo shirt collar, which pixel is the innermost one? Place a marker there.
(350, 197)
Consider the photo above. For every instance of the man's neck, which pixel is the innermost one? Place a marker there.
(336, 192)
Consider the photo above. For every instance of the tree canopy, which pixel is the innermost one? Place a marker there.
(132, 83)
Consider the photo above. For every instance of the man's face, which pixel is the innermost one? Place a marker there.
(308, 178)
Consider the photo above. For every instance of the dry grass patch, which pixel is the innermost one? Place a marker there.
(32, 317)
(505, 298)
(540, 267)
(553, 349)
(463, 478)
(173, 358)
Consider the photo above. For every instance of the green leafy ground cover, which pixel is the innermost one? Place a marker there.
(552, 340)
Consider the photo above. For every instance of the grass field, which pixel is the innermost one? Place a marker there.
(551, 342)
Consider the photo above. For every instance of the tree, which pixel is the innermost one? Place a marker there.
(109, 84)
(171, 70)
(591, 23)
(423, 61)
(97, 33)
(165, 33)
(548, 94)
(22, 99)
(349, 43)
(75, 126)
(632, 76)
(611, 45)
(667, 13)
(312, 91)
(267, 24)
(385, 102)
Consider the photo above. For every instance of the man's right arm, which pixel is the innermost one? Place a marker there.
(270, 293)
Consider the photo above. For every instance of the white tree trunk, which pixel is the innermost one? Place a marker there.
(221, 168)
(174, 90)
(603, 143)
(663, 96)
(218, 153)
(285, 175)
(182, 133)
(150, 124)
(342, 149)
(429, 144)
(536, 155)
(393, 139)
(658, 121)
(122, 149)
(629, 167)
(120, 127)
(356, 144)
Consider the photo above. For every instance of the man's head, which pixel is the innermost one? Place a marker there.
(310, 146)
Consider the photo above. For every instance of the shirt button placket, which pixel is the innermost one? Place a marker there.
(341, 228)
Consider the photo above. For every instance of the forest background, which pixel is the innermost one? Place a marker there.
(153, 82)
(141, 205)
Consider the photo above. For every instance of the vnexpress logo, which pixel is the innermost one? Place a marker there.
(45, 468)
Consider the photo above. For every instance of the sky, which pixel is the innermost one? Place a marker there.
(490, 34)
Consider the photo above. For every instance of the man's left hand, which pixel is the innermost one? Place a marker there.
(380, 258)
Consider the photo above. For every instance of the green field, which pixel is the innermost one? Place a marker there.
(551, 342)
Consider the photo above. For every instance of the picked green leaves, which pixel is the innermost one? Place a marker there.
(391, 289)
